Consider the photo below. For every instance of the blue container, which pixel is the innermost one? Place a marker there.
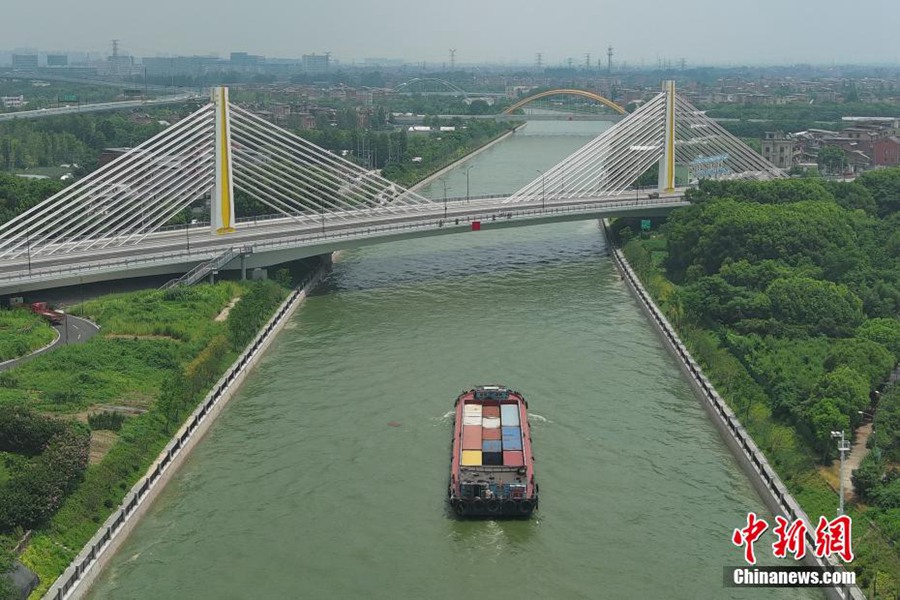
(491, 446)
(509, 415)
(505, 431)
(512, 443)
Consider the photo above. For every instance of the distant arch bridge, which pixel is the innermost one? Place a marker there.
(565, 92)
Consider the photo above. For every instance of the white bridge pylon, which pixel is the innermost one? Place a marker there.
(666, 130)
(211, 153)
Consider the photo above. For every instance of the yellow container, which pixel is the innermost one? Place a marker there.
(471, 458)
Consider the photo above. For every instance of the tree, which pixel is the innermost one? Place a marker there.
(824, 417)
(869, 359)
(821, 307)
(848, 389)
(884, 331)
(830, 159)
(884, 185)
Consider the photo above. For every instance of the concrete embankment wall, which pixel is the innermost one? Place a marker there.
(96, 554)
(751, 459)
(465, 158)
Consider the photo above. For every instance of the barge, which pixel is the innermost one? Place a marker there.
(492, 470)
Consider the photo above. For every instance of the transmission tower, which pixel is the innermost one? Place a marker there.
(609, 55)
(539, 62)
(587, 61)
(452, 59)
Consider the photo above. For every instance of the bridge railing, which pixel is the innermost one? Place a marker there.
(355, 232)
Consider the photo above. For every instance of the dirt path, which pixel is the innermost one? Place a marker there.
(857, 453)
(851, 461)
(224, 314)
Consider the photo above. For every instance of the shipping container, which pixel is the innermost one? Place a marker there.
(490, 423)
(471, 437)
(509, 414)
(491, 434)
(491, 446)
(472, 420)
(472, 409)
(513, 458)
(512, 438)
(492, 458)
(491, 411)
(471, 458)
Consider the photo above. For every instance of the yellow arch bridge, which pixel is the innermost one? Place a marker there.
(564, 92)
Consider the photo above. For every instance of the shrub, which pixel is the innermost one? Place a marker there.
(107, 419)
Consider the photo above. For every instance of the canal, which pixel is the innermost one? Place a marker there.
(326, 476)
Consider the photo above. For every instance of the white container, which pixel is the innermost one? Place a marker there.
(491, 422)
(472, 420)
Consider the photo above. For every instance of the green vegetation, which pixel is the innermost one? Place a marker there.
(68, 139)
(22, 332)
(159, 351)
(788, 293)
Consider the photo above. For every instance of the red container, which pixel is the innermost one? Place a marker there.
(490, 411)
(476, 225)
(491, 434)
(513, 458)
(471, 437)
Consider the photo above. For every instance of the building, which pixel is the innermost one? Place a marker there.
(182, 65)
(887, 152)
(315, 64)
(25, 61)
(778, 149)
(13, 101)
(57, 60)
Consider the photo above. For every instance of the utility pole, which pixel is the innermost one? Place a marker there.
(843, 447)
(452, 59)
(609, 55)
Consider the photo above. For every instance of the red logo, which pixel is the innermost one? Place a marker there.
(748, 535)
(832, 537)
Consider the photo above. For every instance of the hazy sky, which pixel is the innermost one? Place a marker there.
(700, 31)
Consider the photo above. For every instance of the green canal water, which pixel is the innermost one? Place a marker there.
(326, 476)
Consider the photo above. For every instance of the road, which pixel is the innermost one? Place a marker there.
(75, 330)
(98, 107)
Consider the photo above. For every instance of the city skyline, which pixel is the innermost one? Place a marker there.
(766, 33)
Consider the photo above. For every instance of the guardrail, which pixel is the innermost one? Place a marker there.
(88, 556)
(766, 474)
(352, 232)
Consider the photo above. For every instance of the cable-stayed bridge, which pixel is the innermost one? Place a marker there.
(114, 222)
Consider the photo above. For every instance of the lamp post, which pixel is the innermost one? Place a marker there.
(444, 181)
(467, 182)
(872, 414)
(843, 446)
(187, 235)
(543, 188)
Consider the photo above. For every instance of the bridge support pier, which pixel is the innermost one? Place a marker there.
(243, 267)
(222, 202)
(667, 162)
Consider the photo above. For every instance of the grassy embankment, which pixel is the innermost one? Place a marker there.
(22, 332)
(158, 355)
(791, 455)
